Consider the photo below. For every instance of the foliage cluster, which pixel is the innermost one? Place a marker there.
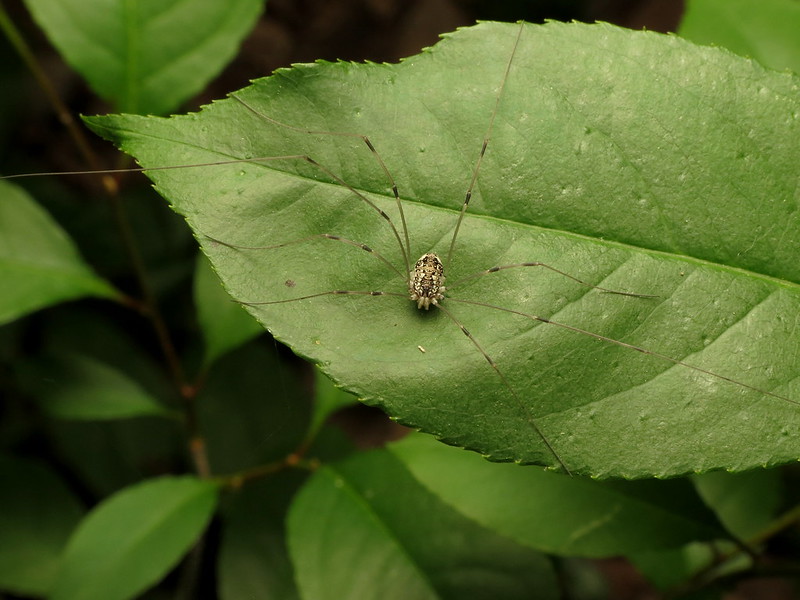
(146, 430)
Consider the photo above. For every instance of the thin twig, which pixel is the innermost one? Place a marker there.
(149, 305)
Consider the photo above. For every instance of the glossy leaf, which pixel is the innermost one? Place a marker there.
(149, 56)
(364, 528)
(746, 502)
(766, 31)
(556, 514)
(83, 388)
(39, 264)
(631, 160)
(133, 538)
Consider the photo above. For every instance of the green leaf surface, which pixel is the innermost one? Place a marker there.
(39, 264)
(253, 560)
(251, 410)
(630, 160)
(37, 516)
(668, 568)
(768, 30)
(74, 386)
(107, 456)
(225, 325)
(571, 516)
(364, 528)
(146, 57)
(131, 449)
(327, 400)
(745, 502)
(134, 538)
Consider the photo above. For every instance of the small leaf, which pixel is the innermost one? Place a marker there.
(575, 516)
(111, 45)
(365, 528)
(132, 449)
(745, 502)
(132, 539)
(327, 400)
(766, 31)
(631, 160)
(83, 388)
(39, 264)
(668, 568)
(37, 516)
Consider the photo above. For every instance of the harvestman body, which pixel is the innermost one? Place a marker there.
(426, 281)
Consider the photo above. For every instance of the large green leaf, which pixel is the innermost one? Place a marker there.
(386, 536)
(631, 160)
(576, 516)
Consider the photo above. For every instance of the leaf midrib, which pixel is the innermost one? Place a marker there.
(122, 133)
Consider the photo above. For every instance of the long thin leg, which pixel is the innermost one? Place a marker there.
(326, 236)
(328, 293)
(530, 419)
(463, 329)
(621, 344)
(450, 286)
(256, 160)
(368, 142)
(485, 144)
(343, 183)
(137, 169)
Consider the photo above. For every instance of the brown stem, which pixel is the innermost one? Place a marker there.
(294, 460)
(148, 306)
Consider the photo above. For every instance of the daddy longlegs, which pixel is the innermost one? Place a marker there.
(362, 207)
